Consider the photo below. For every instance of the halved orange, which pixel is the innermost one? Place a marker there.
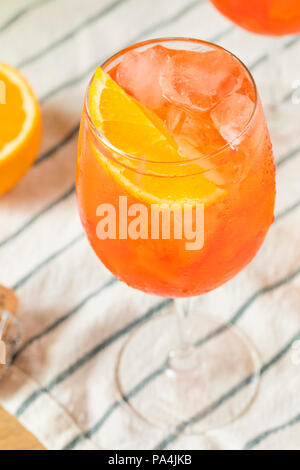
(133, 129)
(20, 127)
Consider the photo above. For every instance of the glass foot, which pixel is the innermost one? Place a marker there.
(218, 387)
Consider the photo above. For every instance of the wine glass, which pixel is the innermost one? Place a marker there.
(183, 359)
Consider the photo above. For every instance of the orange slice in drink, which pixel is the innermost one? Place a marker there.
(132, 129)
(20, 127)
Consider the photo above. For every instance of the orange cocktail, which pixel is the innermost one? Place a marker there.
(176, 189)
(270, 17)
(216, 152)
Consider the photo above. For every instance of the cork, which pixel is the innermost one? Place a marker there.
(8, 303)
(8, 300)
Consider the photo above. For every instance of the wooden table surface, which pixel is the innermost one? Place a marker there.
(13, 436)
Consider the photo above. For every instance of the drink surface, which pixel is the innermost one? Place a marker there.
(270, 17)
(176, 126)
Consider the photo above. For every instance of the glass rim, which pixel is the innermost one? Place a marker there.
(223, 148)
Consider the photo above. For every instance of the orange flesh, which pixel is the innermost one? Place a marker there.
(12, 114)
(20, 127)
(270, 17)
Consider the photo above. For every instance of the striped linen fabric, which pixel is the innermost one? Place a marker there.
(75, 315)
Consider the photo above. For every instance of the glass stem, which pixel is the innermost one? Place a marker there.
(183, 358)
(274, 73)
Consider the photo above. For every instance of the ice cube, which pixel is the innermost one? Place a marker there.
(199, 80)
(247, 88)
(139, 72)
(194, 128)
(197, 138)
(175, 119)
(231, 115)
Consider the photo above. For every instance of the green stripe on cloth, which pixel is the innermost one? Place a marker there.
(39, 214)
(90, 354)
(142, 384)
(46, 261)
(226, 396)
(264, 435)
(146, 32)
(71, 34)
(63, 318)
(19, 14)
(260, 60)
(59, 145)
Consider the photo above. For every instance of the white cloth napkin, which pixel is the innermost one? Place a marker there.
(75, 316)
